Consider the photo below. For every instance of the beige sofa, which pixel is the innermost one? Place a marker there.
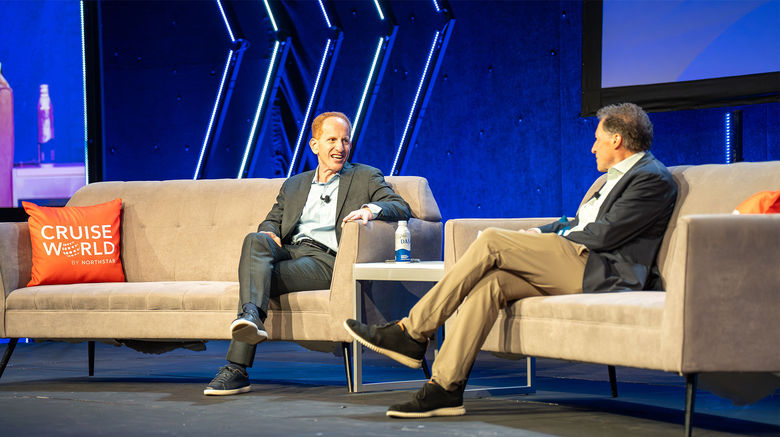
(180, 245)
(722, 278)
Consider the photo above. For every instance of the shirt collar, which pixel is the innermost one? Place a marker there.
(623, 166)
(335, 177)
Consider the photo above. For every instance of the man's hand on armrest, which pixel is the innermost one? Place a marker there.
(363, 214)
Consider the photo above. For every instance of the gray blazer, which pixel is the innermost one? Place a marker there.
(358, 185)
(624, 240)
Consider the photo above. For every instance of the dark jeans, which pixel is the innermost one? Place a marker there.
(266, 270)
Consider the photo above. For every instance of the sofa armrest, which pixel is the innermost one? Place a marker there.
(375, 242)
(724, 292)
(15, 262)
(460, 233)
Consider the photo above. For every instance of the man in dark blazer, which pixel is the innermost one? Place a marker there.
(611, 245)
(295, 247)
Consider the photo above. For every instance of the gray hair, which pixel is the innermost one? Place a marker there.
(631, 122)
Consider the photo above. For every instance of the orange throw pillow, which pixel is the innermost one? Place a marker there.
(765, 202)
(75, 244)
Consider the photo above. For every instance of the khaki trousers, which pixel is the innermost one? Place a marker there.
(499, 267)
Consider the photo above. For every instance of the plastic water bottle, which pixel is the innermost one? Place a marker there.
(403, 244)
(45, 126)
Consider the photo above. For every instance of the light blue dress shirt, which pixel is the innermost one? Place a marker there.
(318, 220)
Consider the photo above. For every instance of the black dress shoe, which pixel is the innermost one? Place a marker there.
(389, 339)
(247, 327)
(431, 401)
(230, 380)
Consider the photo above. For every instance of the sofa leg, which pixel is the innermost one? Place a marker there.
(91, 353)
(426, 369)
(690, 397)
(345, 347)
(612, 381)
(7, 355)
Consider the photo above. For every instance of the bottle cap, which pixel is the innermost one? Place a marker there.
(401, 222)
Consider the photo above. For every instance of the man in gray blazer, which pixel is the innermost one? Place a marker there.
(611, 245)
(295, 247)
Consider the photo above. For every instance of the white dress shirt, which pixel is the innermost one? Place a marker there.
(590, 209)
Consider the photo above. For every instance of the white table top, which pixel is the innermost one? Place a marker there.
(428, 271)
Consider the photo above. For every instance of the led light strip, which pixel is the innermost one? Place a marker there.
(84, 89)
(253, 131)
(227, 25)
(270, 15)
(365, 89)
(728, 138)
(304, 125)
(414, 103)
(436, 5)
(379, 9)
(325, 14)
(213, 114)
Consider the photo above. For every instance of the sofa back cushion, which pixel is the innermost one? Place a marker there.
(418, 195)
(192, 230)
(710, 189)
(714, 189)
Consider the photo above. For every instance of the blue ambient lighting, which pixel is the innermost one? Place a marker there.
(365, 89)
(227, 25)
(253, 131)
(414, 103)
(728, 138)
(213, 114)
(270, 15)
(325, 14)
(84, 89)
(379, 9)
(308, 107)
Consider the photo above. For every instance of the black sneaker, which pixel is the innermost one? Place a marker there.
(247, 327)
(230, 380)
(430, 401)
(389, 339)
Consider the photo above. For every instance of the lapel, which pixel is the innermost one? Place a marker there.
(299, 194)
(345, 180)
(601, 185)
(617, 191)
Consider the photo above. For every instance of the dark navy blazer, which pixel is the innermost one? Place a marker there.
(623, 242)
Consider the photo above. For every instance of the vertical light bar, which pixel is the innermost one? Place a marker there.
(436, 5)
(365, 89)
(325, 14)
(414, 103)
(304, 126)
(213, 114)
(253, 131)
(728, 138)
(227, 24)
(84, 90)
(270, 15)
(379, 9)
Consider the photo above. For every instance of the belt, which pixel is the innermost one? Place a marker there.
(315, 244)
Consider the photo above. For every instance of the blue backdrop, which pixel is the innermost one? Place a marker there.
(501, 136)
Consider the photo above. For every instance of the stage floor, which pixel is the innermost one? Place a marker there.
(45, 390)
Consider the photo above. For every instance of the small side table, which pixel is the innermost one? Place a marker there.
(425, 271)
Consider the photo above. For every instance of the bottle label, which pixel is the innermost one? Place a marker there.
(403, 253)
(403, 256)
